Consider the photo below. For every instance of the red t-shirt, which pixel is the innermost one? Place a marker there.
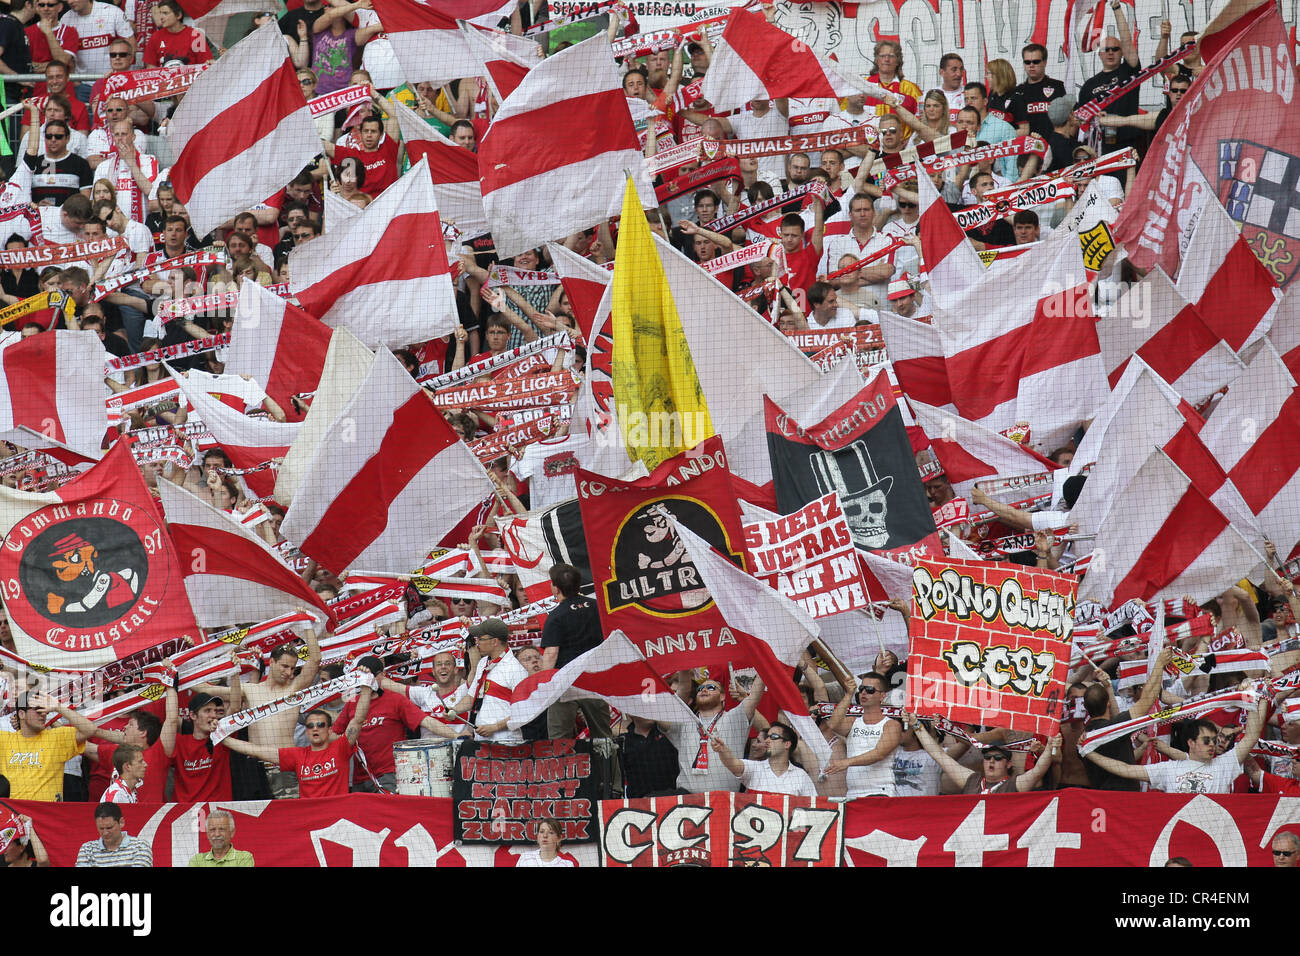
(40, 47)
(155, 778)
(321, 773)
(188, 46)
(389, 718)
(201, 774)
(381, 165)
(804, 266)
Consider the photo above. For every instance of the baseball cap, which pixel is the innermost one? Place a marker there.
(898, 288)
(994, 748)
(492, 627)
(1086, 150)
(201, 700)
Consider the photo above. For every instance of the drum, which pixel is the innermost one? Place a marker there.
(424, 767)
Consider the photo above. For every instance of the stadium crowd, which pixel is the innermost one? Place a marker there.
(83, 164)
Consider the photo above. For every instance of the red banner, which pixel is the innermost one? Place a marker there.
(1065, 828)
(646, 586)
(721, 829)
(136, 86)
(57, 254)
(990, 644)
(549, 388)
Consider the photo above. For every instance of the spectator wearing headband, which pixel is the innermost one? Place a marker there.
(776, 773)
(997, 776)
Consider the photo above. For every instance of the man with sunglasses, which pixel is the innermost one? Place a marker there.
(1119, 64)
(869, 739)
(60, 173)
(1286, 849)
(321, 767)
(776, 774)
(1149, 121)
(1029, 100)
(1202, 772)
(697, 773)
(997, 776)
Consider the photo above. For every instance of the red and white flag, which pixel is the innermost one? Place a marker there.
(1164, 537)
(772, 631)
(1284, 334)
(249, 442)
(388, 480)
(54, 384)
(242, 131)
(614, 672)
(969, 451)
(1021, 339)
(347, 362)
(504, 59)
(453, 169)
(385, 273)
(1153, 321)
(565, 134)
(756, 59)
(1233, 292)
(426, 40)
(916, 353)
(1253, 433)
(278, 344)
(231, 575)
(951, 261)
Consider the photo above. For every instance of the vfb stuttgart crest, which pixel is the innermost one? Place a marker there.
(650, 566)
(1258, 187)
(77, 576)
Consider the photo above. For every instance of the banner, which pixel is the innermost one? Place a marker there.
(698, 179)
(137, 86)
(549, 388)
(1065, 828)
(500, 791)
(809, 557)
(1021, 145)
(861, 451)
(52, 303)
(56, 254)
(797, 142)
(645, 584)
(1026, 197)
(500, 442)
(338, 100)
(721, 829)
(990, 644)
(1231, 131)
(112, 284)
(166, 353)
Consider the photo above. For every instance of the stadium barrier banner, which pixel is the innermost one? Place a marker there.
(501, 790)
(1056, 828)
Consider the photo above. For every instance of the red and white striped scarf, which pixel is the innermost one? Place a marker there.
(1192, 707)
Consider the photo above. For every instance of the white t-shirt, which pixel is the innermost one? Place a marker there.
(876, 779)
(550, 466)
(748, 126)
(758, 775)
(377, 57)
(534, 857)
(109, 169)
(138, 239)
(835, 248)
(1192, 776)
(916, 774)
(956, 102)
(99, 143)
(427, 698)
(813, 115)
(502, 675)
(97, 30)
(732, 727)
(843, 319)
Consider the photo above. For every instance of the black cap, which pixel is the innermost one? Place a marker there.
(201, 700)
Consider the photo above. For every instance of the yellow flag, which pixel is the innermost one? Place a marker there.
(657, 396)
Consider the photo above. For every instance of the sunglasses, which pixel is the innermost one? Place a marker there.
(710, 686)
(1110, 49)
(1284, 852)
(56, 135)
(995, 757)
(453, 600)
(316, 725)
(1033, 62)
(1206, 740)
(868, 690)
(906, 205)
(119, 55)
(776, 737)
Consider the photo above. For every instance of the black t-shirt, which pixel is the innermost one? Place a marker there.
(1099, 86)
(289, 22)
(573, 627)
(1002, 106)
(57, 179)
(1062, 151)
(1029, 104)
(1120, 750)
(24, 285)
(13, 38)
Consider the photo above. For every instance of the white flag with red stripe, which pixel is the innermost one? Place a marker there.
(278, 344)
(1233, 292)
(969, 451)
(248, 441)
(772, 631)
(916, 354)
(385, 273)
(347, 363)
(388, 479)
(1284, 334)
(1153, 321)
(504, 59)
(426, 40)
(1024, 339)
(755, 59)
(951, 261)
(565, 134)
(614, 672)
(242, 131)
(53, 383)
(1165, 538)
(1253, 434)
(453, 169)
(231, 575)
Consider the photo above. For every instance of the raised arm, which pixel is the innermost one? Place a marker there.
(950, 767)
(750, 703)
(1012, 516)
(1029, 781)
(85, 729)
(1250, 736)
(1151, 689)
(439, 729)
(260, 751)
(307, 676)
(170, 723)
(728, 758)
(884, 748)
(1118, 767)
(1126, 44)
